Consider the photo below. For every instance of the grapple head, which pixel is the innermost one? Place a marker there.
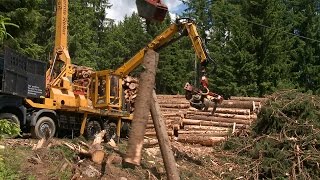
(153, 10)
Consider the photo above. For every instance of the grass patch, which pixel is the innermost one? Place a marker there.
(10, 162)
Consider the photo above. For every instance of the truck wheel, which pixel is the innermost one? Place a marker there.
(11, 118)
(44, 128)
(92, 128)
(111, 130)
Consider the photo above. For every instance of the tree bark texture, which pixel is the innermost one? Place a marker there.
(142, 104)
(163, 138)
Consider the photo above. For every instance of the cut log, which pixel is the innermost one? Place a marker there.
(149, 142)
(179, 106)
(237, 104)
(132, 86)
(210, 123)
(218, 119)
(248, 98)
(166, 152)
(169, 132)
(236, 116)
(205, 141)
(227, 110)
(142, 106)
(162, 96)
(204, 133)
(96, 150)
(207, 128)
(167, 101)
(172, 110)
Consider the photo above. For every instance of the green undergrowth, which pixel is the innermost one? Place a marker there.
(283, 143)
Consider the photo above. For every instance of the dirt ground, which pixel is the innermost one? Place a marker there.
(59, 162)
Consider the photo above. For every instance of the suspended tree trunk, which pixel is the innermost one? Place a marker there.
(142, 103)
(163, 138)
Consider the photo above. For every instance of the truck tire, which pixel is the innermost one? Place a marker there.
(11, 118)
(111, 131)
(43, 126)
(92, 128)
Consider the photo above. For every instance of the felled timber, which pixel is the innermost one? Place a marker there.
(207, 128)
(257, 99)
(238, 104)
(210, 123)
(218, 119)
(205, 141)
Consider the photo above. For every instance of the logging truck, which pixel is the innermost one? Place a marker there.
(68, 98)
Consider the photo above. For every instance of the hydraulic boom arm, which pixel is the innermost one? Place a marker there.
(184, 27)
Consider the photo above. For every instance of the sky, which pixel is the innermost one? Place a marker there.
(120, 8)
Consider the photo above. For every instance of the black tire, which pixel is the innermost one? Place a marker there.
(111, 131)
(45, 128)
(92, 128)
(11, 118)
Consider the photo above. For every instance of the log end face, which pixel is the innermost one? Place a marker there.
(98, 156)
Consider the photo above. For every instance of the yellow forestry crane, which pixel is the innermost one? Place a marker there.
(56, 101)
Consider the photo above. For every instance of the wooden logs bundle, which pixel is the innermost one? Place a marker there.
(81, 79)
(130, 87)
(190, 125)
(173, 108)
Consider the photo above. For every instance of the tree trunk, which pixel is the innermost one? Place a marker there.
(96, 150)
(179, 106)
(142, 103)
(161, 132)
(205, 141)
(210, 123)
(163, 96)
(237, 104)
(153, 133)
(227, 110)
(218, 119)
(207, 128)
(248, 98)
(212, 133)
(236, 116)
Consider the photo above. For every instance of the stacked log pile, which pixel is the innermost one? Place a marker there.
(173, 109)
(81, 79)
(190, 125)
(130, 87)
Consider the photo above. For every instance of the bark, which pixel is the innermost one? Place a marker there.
(161, 132)
(236, 116)
(210, 123)
(153, 133)
(96, 150)
(142, 103)
(204, 133)
(248, 98)
(227, 110)
(205, 141)
(207, 128)
(237, 104)
(173, 110)
(179, 106)
(218, 119)
(163, 96)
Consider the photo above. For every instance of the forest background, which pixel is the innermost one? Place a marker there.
(259, 46)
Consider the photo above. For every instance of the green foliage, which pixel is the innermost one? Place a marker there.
(6, 172)
(8, 128)
(10, 161)
(285, 139)
(4, 22)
